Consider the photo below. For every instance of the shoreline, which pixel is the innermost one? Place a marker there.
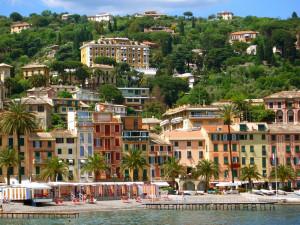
(119, 205)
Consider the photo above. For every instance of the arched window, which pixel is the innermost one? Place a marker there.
(290, 116)
(279, 116)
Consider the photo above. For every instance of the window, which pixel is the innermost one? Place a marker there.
(90, 150)
(273, 137)
(287, 137)
(70, 151)
(279, 105)
(59, 151)
(288, 161)
(144, 147)
(200, 143)
(169, 148)
(243, 160)
(22, 155)
(264, 162)
(251, 160)
(126, 147)
(0, 140)
(296, 137)
(49, 155)
(21, 141)
(49, 144)
(215, 147)
(117, 128)
(89, 138)
(161, 148)
(81, 137)
(40, 108)
(251, 148)
(59, 140)
(152, 148)
(297, 149)
(189, 154)
(263, 150)
(243, 148)
(263, 137)
(178, 154)
(176, 143)
(22, 170)
(117, 156)
(188, 144)
(287, 148)
(70, 140)
(271, 105)
(97, 128)
(81, 151)
(234, 147)
(251, 136)
(273, 149)
(37, 144)
(225, 147)
(225, 173)
(200, 155)
(117, 142)
(216, 160)
(225, 160)
(37, 170)
(98, 142)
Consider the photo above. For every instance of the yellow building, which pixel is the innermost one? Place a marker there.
(17, 27)
(254, 146)
(35, 69)
(120, 49)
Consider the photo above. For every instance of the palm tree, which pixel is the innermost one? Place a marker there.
(249, 173)
(206, 169)
(228, 112)
(17, 120)
(54, 168)
(95, 164)
(284, 173)
(172, 169)
(8, 159)
(133, 160)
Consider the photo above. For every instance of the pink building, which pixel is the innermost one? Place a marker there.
(286, 105)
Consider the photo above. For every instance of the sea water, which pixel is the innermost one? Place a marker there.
(283, 215)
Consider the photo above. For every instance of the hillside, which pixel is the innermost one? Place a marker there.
(224, 71)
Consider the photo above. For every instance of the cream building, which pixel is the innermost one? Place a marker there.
(17, 27)
(5, 72)
(35, 69)
(120, 49)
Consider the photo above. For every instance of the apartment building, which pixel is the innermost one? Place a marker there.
(151, 123)
(135, 137)
(120, 49)
(116, 110)
(286, 105)
(284, 147)
(190, 116)
(225, 15)
(108, 142)
(243, 36)
(159, 152)
(188, 146)
(217, 149)
(85, 95)
(63, 106)
(66, 150)
(253, 140)
(41, 148)
(135, 97)
(101, 17)
(35, 69)
(81, 124)
(102, 74)
(17, 27)
(47, 92)
(42, 108)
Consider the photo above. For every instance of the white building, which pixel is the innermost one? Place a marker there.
(81, 124)
(251, 50)
(85, 95)
(117, 110)
(225, 15)
(188, 76)
(105, 17)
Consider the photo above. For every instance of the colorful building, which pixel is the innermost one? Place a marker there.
(108, 142)
(35, 69)
(135, 97)
(243, 36)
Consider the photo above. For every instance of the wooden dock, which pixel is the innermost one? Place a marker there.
(212, 206)
(35, 215)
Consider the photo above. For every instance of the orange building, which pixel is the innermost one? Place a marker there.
(107, 141)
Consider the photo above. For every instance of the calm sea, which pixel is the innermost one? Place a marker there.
(283, 215)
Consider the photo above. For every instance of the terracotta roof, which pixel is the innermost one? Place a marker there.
(284, 128)
(33, 100)
(41, 136)
(244, 32)
(15, 24)
(156, 139)
(284, 94)
(62, 133)
(183, 135)
(216, 128)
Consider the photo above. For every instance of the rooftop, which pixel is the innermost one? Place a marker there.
(34, 66)
(216, 128)
(181, 135)
(63, 133)
(244, 32)
(20, 23)
(35, 100)
(5, 65)
(284, 128)
(41, 136)
(156, 139)
(284, 94)
(151, 120)
(190, 108)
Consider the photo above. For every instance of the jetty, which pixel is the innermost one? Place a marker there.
(35, 215)
(212, 206)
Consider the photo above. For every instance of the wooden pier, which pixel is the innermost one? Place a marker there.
(212, 206)
(35, 215)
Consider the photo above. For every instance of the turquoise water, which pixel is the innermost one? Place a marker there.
(283, 215)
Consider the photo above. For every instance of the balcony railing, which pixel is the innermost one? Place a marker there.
(196, 116)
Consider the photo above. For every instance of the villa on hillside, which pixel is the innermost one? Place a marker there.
(243, 36)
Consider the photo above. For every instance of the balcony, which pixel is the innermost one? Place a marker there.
(203, 115)
(135, 135)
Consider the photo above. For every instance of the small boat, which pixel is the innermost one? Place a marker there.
(267, 192)
(280, 192)
(257, 192)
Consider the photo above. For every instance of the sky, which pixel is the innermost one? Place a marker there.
(202, 8)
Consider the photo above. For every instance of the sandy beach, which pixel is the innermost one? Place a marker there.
(113, 205)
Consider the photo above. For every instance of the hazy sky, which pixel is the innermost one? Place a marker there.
(268, 8)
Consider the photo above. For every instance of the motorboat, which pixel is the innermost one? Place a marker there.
(267, 192)
(257, 192)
